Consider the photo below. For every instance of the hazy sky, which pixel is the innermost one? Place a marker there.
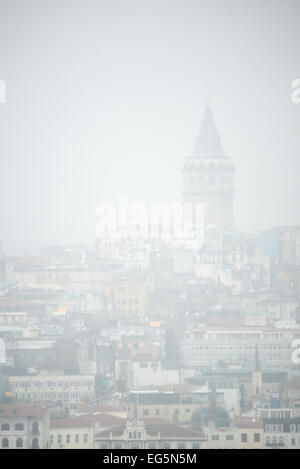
(107, 96)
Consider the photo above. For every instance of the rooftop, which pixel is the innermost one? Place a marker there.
(22, 410)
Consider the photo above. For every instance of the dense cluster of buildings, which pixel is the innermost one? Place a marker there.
(142, 343)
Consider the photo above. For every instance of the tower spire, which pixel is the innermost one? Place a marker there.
(207, 97)
(208, 143)
(208, 177)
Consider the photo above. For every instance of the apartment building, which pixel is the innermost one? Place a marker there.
(128, 297)
(281, 428)
(222, 438)
(24, 426)
(250, 432)
(78, 432)
(207, 346)
(70, 390)
(151, 435)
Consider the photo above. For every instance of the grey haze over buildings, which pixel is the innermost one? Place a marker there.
(107, 97)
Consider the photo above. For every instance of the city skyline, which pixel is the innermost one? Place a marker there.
(103, 114)
(149, 227)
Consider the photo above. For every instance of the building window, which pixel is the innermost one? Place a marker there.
(35, 428)
(215, 437)
(68, 438)
(181, 445)
(196, 445)
(19, 443)
(77, 438)
(5, 443)
(19, 427)
(5, 427)
(145, 412)
(85, 438)
(103, 445)
(244, 437)
(229, 437)
(35, 443)
(257, 437)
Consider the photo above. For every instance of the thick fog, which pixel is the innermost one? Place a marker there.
(105, 97)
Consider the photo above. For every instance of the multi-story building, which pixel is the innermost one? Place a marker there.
(70, 390)
(281, 428)
(131, 254)
(145, 372)
(128, 297)
(78, 432)
(171, 406)
(207, 346)
(23, 426)
(222, 438)
(35, 272)
(141, 435)
(274, 306)
(250, 432)
(282, 243)
(180, 406)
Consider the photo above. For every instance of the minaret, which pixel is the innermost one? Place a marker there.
(208, 177)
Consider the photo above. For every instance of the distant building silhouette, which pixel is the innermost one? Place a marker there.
(208, 177)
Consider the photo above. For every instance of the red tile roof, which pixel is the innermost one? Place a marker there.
(89, 420)
(92, 409)
(22, 410)
(247, 422)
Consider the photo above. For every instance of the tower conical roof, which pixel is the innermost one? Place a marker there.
(208, 143)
